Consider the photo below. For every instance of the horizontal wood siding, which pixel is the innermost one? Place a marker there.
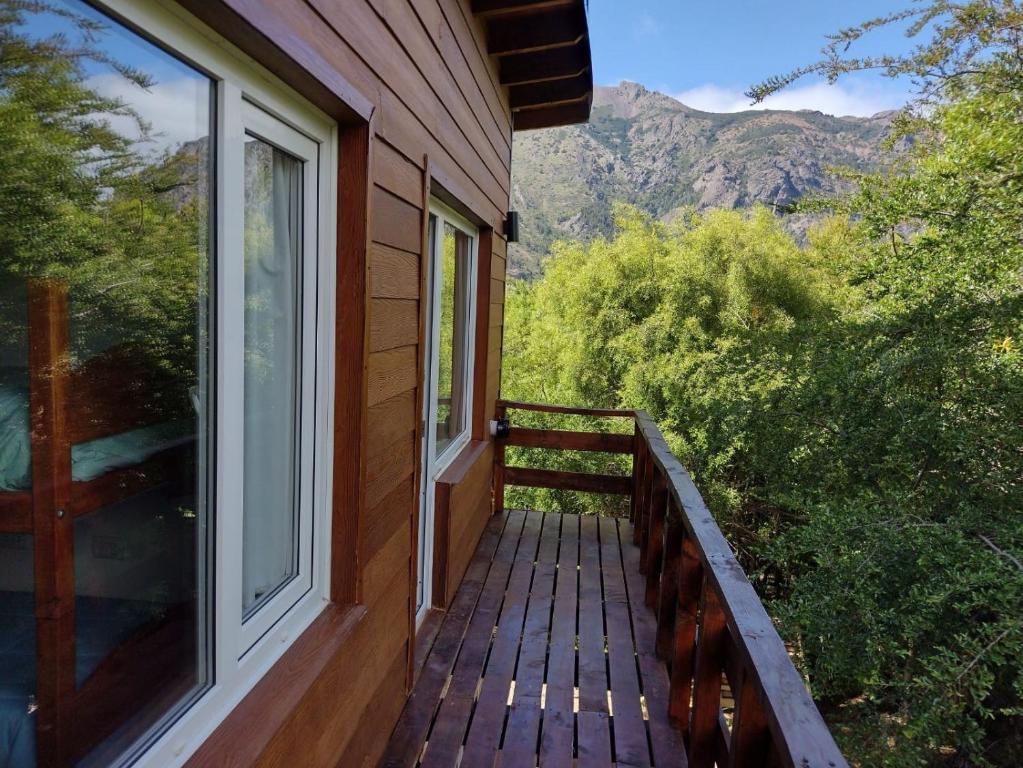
(469, 510)
(436, 104)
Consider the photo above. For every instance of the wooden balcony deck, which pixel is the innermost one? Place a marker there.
(583, 641)
(547, 655)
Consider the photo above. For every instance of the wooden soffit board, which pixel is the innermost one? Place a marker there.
(543, 53)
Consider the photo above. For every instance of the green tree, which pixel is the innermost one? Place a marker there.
(83, 203)
(851, 409)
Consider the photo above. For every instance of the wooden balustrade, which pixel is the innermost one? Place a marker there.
(712, 629)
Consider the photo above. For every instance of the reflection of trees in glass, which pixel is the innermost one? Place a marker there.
(259, 249)
(454, 307)
(447, 331)
(125, 228)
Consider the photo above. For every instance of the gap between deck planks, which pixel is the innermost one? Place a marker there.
(546, 657)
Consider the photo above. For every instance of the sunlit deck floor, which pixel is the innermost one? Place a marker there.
(546, 657)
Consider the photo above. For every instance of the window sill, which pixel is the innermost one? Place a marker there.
(462, 462)
(249, 729)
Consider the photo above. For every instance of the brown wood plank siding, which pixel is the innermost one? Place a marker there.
(394, 274)
(469, 510)
(436, 104)
(396, 70)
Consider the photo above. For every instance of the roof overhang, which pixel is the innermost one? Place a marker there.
(543, 53)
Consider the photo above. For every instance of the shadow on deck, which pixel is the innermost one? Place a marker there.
(545, 656)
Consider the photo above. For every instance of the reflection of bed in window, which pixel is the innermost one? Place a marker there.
(77, 442)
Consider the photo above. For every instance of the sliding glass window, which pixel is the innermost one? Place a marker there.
(166, 336)
(279, 255)
(452, 282)
(104, 386)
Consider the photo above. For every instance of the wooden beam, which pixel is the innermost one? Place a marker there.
(490, 8)
(523, 68)
(559, 28)
(567, 481)
(515, 405)
(564, 114)
(551, 92)
(351, 329)
(557, 439)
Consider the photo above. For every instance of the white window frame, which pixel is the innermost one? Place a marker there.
(433, 468)
(249, 97)
(445, 215)
(260, 124)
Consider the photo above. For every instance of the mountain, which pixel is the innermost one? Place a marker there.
(651, 150)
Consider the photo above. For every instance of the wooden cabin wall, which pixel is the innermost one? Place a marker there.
(436, 105)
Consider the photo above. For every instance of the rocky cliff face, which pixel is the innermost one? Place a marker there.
(648, 149)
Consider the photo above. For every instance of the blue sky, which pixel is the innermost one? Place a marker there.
(708, 53)
(176, 105)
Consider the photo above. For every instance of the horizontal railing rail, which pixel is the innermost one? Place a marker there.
(711, 625)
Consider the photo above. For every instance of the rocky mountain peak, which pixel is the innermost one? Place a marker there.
(648, 149)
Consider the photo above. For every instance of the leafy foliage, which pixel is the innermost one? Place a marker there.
(851, 409)
(82, 203)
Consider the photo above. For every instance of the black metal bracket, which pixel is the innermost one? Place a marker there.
(503, 428)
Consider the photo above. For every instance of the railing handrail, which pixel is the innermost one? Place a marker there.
(570, 410)
(692, 578)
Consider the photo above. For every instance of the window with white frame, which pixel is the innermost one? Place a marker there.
(176, 238)
(453, 243)
(449, 351)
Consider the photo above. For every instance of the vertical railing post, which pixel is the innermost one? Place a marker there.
(748, 747)
(637, 449)
(499, 413)
(655, 536)
(690, 584)
(647, 482)
(642, 458)
(667, 594)
(703, 720)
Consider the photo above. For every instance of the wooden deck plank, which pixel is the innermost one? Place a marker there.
(487, 723)
(409, 734)
(592, 659)
(594, 739)
(558, 728)
(523, 730)
(665, 740)
(630, 736)
(445, 740)
(532, 592)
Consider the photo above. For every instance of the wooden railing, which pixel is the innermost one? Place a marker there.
(711, 626)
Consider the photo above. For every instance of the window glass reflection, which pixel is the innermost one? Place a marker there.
(452, 268)
(104, 263)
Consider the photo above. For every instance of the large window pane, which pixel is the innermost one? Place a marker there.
(273, 247)
(452, 271)
(104, 216)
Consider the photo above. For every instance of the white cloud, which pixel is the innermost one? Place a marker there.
(645, 25)
(176, 110)
(848, 98)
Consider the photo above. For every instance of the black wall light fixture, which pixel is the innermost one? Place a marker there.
(511, 226)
